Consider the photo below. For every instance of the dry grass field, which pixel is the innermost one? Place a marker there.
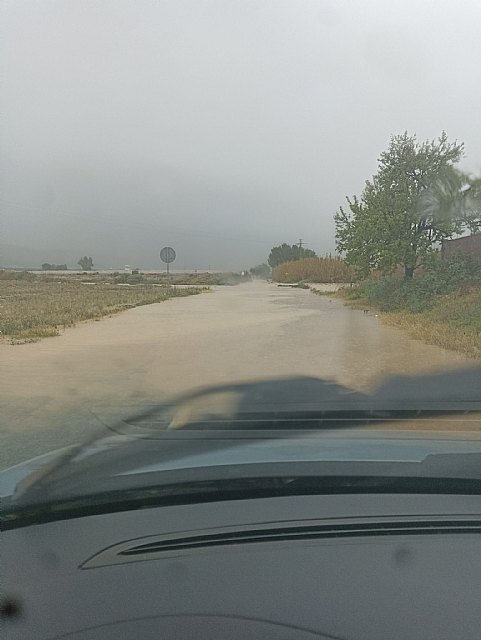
(38, 306)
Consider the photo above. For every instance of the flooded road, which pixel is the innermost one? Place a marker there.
(250, 331)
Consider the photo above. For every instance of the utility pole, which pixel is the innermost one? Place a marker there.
(300, 243)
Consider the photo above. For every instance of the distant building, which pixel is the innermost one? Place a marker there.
(470, 245)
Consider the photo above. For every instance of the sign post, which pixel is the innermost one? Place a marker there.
(167, 255)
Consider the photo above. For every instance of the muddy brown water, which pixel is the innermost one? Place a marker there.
(251, 331)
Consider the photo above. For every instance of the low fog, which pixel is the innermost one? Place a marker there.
(219, 127)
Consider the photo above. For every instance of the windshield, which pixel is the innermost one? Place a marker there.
(239, 240)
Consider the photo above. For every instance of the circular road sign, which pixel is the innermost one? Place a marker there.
(167, 255)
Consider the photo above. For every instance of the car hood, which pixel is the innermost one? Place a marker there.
(279, 421)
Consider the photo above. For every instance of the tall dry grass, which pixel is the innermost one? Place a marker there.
(31, 309)
(453, 322)
(313, 270)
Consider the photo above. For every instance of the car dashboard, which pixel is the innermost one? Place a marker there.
(357, 567)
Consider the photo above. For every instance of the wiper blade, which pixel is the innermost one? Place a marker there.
(228, 489)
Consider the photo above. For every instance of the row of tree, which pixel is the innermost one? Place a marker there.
(47, 266)
(288, 253)
(86, 263)
(279, 255)
(417, 199)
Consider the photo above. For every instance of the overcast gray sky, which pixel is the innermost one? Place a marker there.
(220, 127)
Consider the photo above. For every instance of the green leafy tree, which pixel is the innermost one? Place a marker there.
(86, 263)
(288, 253)
(412, 203)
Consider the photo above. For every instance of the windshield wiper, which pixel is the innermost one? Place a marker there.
(378, 478)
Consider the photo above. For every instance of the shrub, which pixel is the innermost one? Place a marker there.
(420, 293)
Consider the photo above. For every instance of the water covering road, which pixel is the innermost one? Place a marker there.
(250, 331)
